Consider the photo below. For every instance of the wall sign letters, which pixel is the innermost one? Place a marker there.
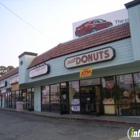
(97, 56)
(39, 71)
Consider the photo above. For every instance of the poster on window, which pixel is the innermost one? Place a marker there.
(75, 84)
(128, 79)
(75, 105)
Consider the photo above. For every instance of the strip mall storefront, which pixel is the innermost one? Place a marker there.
(95, 74)
(14, 95)
(111, 95)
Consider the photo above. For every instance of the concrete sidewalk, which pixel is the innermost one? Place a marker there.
(133, 120)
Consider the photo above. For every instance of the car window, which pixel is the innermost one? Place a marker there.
(101, 20)
(95, 22)
(84, 23)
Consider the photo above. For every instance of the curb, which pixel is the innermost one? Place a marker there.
(75, 119)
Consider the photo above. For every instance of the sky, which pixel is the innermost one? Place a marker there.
(39, 25)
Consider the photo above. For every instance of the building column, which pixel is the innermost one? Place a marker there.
(37, 98)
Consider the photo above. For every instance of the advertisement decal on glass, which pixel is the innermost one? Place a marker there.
(45, 69)
(75, 105)
(75, 84)
(128, 79)
(14, 80)
(96, 56)
(110, 85)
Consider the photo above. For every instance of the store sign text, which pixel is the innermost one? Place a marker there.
(3, 91)
(97, 56)
(13, 80)
(86, 72)
(3, 84)
(39, 71)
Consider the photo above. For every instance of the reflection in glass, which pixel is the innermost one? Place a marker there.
(55, 97)
(90, 82)
(125, 94)
(13, 95)
(136, 98)
(0, 100)
(45, 95)
(74, 97)
(110, 95)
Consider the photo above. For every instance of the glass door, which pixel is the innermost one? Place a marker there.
(0, 100)
(30, 100)
(64, 98)
(90, 99)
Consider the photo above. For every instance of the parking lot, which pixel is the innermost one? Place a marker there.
(18, 126)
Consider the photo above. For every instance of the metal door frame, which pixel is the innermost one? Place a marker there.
(90, 102)
(66, 104)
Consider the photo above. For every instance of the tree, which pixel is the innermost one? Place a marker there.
(4, 69)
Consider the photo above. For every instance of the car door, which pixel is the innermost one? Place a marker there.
(103, 24)
(97, 24)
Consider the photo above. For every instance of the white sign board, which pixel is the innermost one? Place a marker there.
(90, 25)
(3, 84)
(39, 71)
(91, 57)
(13, 80)
(3, 91)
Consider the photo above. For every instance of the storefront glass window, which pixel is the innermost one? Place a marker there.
(5, 102)
(17, 96)
(13, 100)
(74, 97)
(110, 95)
(90, 82)
(45, 98)
(136, 98)
(125, 94)
(0, 100)
(30, 98)
(24, 98)
(8, 99)
(55, 98)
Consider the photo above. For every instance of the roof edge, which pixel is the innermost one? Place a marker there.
(38, 64)
(27, 53)
(132, 4)
(7, 75)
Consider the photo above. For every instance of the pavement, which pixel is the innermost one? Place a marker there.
(131, 120)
